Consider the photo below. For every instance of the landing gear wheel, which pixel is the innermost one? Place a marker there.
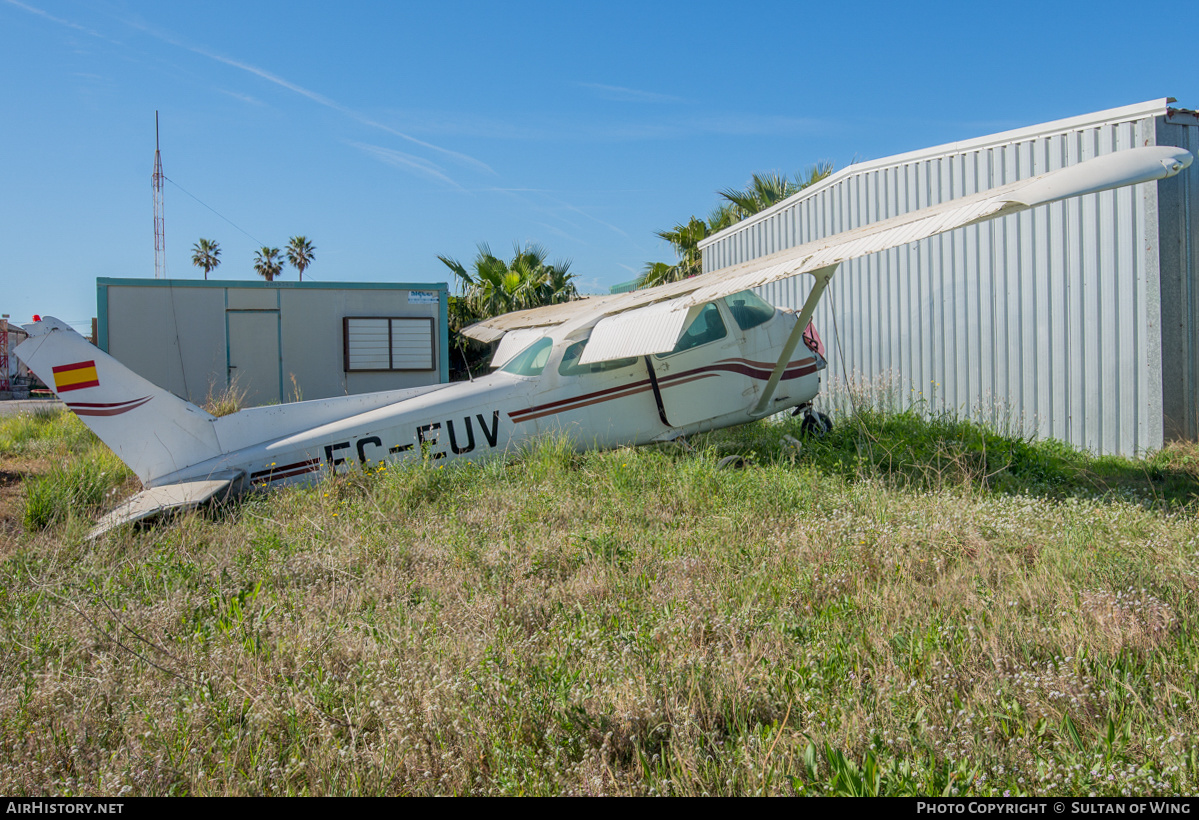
(732, 463)
(816, 425)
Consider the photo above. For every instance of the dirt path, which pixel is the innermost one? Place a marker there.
(14, 407)
(13, 473)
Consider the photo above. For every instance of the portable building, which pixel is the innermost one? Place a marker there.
(1078, 320)
(276, 341)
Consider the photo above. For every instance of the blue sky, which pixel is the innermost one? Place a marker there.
(392, 132)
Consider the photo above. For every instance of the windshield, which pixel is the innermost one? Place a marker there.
(749, 309)
(570, 362)
(530, 361)
(706, 327)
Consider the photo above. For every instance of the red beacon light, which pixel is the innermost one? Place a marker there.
(36, 318)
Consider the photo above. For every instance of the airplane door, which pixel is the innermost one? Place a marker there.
(706, 375)
(606, 403)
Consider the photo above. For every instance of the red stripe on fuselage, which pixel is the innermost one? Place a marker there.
(274, 473)
(580, 401)
(759, 371)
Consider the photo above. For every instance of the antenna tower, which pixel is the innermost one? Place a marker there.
(160, 242)
(4, 385)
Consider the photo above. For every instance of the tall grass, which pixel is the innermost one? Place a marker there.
(44, 433)
(904, 607)
(75, 487)
(79, 475)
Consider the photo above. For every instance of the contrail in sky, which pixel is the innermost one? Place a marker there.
(319, 99)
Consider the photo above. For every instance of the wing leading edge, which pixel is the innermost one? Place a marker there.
(644, 318)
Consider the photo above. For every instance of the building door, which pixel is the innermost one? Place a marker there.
(254, 362)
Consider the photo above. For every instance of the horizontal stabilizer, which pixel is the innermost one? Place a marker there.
(160, 500)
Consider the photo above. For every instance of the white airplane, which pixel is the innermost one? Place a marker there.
(646, 366)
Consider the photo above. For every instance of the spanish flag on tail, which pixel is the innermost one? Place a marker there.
(154, 432)
(75, 376)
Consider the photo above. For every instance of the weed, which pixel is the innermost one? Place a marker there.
(229, 399)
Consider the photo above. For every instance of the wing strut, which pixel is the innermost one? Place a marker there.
(653, 380)
(822, 275)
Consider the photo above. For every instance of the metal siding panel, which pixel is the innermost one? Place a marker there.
(1041, 340)
(1013, 324)
(957, 381)
(1189, 219)
(1106, 400)
(1045, 311)
(1176, 219)
(1075, 410)
(1054, 273)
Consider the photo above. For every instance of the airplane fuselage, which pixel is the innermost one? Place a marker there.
(714, 382)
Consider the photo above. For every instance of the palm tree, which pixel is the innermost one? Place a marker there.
(300, 252)
(765, 190)
(496, 287)
(685, 240)
(493, 287)
(268, 263)
(206, 254)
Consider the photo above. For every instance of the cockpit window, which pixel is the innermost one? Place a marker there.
(704, 328)
(530, 361)
(570, 362)
(749, 309)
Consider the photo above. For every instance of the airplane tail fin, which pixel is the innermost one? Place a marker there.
(153, 431)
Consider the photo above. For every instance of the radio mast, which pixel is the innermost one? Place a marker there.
(160, 242)
(4, 385)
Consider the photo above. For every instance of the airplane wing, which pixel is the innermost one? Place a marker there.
(1100, 174)
(650, 314)
(491, 329)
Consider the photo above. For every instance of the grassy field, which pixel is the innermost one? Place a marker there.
(906, 607)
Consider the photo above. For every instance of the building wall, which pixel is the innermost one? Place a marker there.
(190, 337)
(1178, 219)
(1047, 320)
(172, 336)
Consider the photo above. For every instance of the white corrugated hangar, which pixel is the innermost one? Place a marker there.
(1077, 321)
(277, 341)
